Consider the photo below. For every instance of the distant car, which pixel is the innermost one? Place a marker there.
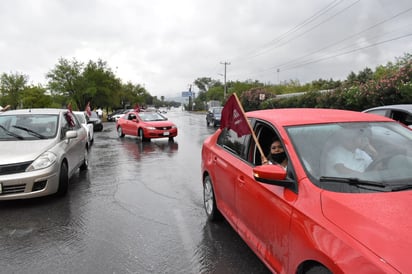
(40, 150)
(96, 121)
(87, 124)
(146, 126)
(112, 116)
(304, 219)
(400, 113)
(213, 116)
(119, 114)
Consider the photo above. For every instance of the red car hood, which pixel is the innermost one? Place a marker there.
(380, 221)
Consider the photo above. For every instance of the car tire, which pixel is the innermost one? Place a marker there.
(140, 134)
(63, 180)
(120, 132)
(85, 164)
(209, 200)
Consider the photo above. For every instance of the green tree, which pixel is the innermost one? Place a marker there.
(12, 86)
(100, 85)
(35, 97)
(66, 79)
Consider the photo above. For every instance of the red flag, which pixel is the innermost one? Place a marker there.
(233, 117)
(88, 109)
(137, 107)
(69, 115)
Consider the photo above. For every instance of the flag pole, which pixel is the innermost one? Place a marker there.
(250, 128)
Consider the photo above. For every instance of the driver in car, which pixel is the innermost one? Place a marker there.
(352, 153)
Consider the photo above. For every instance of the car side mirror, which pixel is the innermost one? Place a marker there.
(273, 175)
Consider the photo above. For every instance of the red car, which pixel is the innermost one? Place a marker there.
(315, 216)
(146, 125)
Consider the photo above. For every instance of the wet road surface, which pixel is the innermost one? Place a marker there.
(138, 209)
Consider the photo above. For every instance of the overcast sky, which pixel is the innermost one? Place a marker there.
(166, 45)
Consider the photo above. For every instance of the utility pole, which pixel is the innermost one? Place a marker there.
(225, 88)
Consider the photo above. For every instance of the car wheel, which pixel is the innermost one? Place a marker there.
(120, 132)
(209, 200)
(141, 135)
(63, 180)
(85, 164)
(215, 123)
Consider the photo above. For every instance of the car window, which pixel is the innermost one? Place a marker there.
(28, 127)
(401, 116)
(319, 146)
(151, 116)
(229, 140)
(81, 118)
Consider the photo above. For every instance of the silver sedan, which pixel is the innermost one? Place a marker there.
(41, 149)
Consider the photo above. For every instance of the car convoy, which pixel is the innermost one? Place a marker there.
(310, 217)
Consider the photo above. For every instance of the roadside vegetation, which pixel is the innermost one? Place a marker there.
(71, 81)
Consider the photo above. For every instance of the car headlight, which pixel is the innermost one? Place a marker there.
(45, 160)
(174, 126)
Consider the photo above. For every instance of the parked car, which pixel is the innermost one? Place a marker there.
(97, 122)
(305, 218)
(40, 150)
(146, 126)
(400, 113)
(213, 116)
(84, 120)
(116, 115)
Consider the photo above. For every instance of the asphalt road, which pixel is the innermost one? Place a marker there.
(138, 209)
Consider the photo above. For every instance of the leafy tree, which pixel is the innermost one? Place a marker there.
(66, 79)
(35, 97)
(100, 85)
(12, 86)
(204, 83)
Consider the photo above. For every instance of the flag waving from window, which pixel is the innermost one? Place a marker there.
(233, 117)
(88, 109)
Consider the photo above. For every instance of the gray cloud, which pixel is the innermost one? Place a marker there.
(166, 45)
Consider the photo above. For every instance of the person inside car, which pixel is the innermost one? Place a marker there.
(277, 155)
(351, 154)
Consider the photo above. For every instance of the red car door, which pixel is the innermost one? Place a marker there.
(264, 217)
(264, 212)
(225, 181)
(130, 124)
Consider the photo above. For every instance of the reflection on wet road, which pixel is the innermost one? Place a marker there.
(138, 209)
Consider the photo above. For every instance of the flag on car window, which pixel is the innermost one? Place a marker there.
(88, 109)
(233, 117)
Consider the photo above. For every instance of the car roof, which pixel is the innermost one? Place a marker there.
(305, 116)
(34, 111)
(405, 107)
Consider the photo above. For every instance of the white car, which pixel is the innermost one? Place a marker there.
(87, 124)
(40, 150)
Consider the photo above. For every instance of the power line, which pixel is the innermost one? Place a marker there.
(350, 51)
(296, 61)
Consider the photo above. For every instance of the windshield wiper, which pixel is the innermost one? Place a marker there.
(8, 132)
(32, 132)
(351, 181)
(402, 187)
